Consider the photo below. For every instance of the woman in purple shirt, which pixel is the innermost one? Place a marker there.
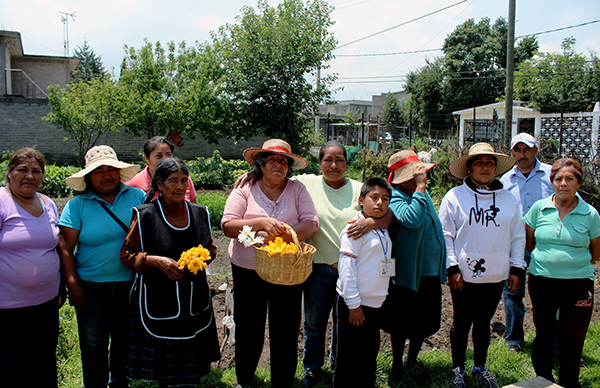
(29, 275)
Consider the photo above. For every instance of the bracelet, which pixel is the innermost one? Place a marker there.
(355, 310)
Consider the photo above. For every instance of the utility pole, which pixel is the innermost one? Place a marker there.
(65, 21)
(510, 65)
(317, 123)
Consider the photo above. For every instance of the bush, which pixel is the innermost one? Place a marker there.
(216, 172)
(215, 203)
(374, 164)
(54, 185)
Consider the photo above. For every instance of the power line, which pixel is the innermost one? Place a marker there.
(383, 54)
(470, 78)
(401, 24)
(559, 29)
(471, 46)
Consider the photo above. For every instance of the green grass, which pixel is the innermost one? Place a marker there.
(432, 369)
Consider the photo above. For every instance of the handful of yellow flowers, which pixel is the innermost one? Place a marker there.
(279, 247)
(194, 259)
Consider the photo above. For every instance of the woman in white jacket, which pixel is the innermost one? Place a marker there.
(485, 242)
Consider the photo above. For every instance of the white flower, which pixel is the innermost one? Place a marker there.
(248, 237)
(244, 233)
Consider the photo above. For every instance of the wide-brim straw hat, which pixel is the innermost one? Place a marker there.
(458, 168)
(101, 156)
(403, 164)
(276, 146)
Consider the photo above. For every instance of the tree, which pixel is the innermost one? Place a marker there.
(90, 67)
(266, 56)
(567, 81)
(471, 72)
(393, 115)
(173, 90)
(86, 110)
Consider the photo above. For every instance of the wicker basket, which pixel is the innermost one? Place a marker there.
(288, 269)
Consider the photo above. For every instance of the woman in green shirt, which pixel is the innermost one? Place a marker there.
(563, 236)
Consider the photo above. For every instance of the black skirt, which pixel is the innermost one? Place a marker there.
(181, 362)
(413, 314)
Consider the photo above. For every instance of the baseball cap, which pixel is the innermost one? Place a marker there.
(524, 138)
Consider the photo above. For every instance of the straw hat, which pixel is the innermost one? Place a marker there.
(276, 146)
(101, 156)
(458, 168)
(403, 164)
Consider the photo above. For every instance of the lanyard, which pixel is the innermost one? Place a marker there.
(381, 238)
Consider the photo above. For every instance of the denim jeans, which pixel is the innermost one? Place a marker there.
(514, 310)
(319, 298)
(104, 321)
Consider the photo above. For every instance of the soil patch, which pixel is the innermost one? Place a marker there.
(221, 269)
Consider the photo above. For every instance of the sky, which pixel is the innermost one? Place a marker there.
(108, 25)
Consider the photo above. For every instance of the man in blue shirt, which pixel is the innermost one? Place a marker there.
(529, 181)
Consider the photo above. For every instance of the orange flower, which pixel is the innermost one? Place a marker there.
(279, 247)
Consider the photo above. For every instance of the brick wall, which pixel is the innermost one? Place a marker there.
(21, 125)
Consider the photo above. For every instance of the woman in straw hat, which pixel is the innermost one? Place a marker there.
(336, 200)
(420, 254)
(266, 207)
(485, 244)
(94, 225)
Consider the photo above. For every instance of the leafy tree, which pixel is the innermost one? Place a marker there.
(426, 88)
(173, 90)
(564, 80)
(393, 115)
(351, 119)
(85, 111)
(471, 72)
(90, 67)
(266, 56)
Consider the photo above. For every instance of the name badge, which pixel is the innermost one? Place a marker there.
(387, 267)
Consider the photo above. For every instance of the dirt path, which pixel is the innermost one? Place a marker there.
(222, 274)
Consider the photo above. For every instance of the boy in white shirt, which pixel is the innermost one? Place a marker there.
(365, 267)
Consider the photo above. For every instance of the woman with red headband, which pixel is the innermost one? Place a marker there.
(420, 254)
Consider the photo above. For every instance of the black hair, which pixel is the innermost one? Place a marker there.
(23, 154)
(151, 144)
(371, 183)
(163, 171)
(261, 160)
(332, 143)
(472, 160)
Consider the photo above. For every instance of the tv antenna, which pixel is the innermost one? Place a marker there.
(65, 21)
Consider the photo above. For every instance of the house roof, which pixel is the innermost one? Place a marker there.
(15, 45)
(517, 105)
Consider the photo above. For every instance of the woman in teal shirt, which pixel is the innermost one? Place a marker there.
(563, 236)
(414, 304)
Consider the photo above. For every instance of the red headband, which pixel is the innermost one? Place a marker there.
(279, 149)
(401, 163)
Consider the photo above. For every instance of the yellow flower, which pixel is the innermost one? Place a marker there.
(194, 259)
(279, 247)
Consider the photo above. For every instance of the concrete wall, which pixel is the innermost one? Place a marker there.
(21, 125)
(43, 71)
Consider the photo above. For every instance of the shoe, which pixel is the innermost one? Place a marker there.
(485, 376)
(310, 378)
(458, 377)
(514, 348)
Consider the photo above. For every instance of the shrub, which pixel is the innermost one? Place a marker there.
(54, 184)
(216, 203)
(216, 172)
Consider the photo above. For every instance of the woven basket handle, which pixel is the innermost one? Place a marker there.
(295, 238)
